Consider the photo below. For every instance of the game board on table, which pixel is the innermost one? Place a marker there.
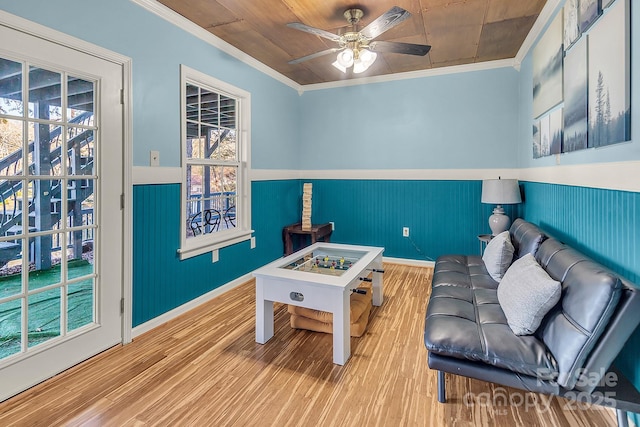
(325, 261)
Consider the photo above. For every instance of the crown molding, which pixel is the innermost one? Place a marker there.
(180, 21)
(546, 13)
(431, 72)
(183, 23)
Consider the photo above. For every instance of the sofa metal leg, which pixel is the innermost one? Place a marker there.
(442, 396)
(623, 421)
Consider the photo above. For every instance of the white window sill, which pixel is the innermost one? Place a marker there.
(213, 242)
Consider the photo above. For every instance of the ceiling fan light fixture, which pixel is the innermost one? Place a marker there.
(357, 47)
(339, 67)
(359, 66)
(345, 58)
(368, 57)
(363, 61)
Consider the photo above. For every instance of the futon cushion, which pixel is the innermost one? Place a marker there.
(526, 294)
(498, 255)
(464, 320)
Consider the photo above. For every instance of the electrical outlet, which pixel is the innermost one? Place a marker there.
(333, 225)
(253, 243)
(214, 255)
(154, 158)
(405, 231)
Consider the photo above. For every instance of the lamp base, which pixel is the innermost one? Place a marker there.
(498, 222)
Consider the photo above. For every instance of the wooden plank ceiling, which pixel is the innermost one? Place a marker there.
(459, 31)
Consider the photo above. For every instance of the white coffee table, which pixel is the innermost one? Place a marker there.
(302, 279)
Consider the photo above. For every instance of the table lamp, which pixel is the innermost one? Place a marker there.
(500, 192)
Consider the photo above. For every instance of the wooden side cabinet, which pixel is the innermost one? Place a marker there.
(294, 237)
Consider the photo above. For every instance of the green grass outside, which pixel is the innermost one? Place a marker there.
(44, 307)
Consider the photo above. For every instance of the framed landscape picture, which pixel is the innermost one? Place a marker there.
(589, 12)
(545, 137)
(571, 23)
(576, 121)
(536, 139)
(547, 69)
(609, 77)
(555, 131)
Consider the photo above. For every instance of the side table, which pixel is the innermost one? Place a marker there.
(295, 231)
(484, 241)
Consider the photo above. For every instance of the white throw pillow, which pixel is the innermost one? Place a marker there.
(498, 255)
(526, 294)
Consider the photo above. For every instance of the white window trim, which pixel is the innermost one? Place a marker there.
(213, 241)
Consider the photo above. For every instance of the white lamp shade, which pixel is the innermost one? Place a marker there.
(345, 58)
(339, 67)
(361, 59)
(368, 57)
(501, 191)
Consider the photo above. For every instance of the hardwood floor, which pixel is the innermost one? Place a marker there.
(205, 369)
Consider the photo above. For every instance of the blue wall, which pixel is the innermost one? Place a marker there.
(163, 282)
(613, 153)
(604, 224)
(157, 49)
(465, 120)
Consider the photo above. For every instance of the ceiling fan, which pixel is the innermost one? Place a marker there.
(357, 48)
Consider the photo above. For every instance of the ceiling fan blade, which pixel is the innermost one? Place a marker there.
(398, 47)
(312, 30)
(385, 22)
(315, 55)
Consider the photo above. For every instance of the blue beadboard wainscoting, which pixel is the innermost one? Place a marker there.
(161, 282)
(443, 217)
(604, 224)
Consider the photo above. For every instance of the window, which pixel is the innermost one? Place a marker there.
(216, 198)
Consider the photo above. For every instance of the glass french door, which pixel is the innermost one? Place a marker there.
(60, 216)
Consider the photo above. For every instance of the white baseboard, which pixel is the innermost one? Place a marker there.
(172, 314)
(407, 261)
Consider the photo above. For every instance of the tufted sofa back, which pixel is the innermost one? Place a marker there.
(525, 237)
(596, 315)
(590, 296)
